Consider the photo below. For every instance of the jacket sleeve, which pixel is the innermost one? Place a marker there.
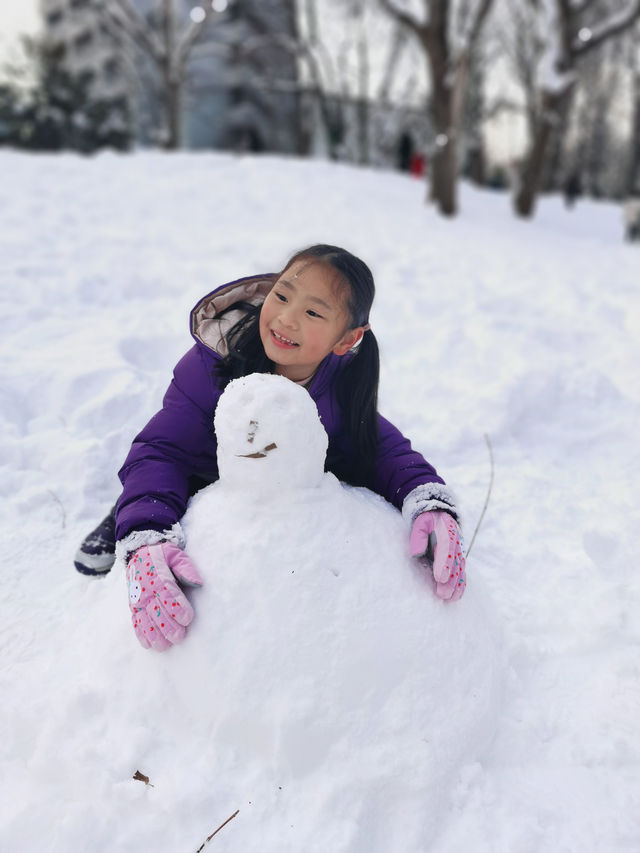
(177, 443)
(405, 478)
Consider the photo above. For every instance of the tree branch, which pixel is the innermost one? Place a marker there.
(482, 10)
(397, 46)
(613, 26)
(579, 8)
(191, 35)
(502, 105)
(136, 27)
(404, 18)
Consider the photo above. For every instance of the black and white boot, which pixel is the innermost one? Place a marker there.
(97, 553)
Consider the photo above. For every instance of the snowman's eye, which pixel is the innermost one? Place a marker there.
(253, 428)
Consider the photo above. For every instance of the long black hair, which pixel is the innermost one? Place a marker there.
(357, 380)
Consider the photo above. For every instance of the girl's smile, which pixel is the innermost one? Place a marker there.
(304, 318)
(281, 341)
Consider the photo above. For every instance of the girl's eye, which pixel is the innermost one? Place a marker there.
(281, 297)
(312, 313)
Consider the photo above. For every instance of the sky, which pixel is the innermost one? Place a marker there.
(16, 18)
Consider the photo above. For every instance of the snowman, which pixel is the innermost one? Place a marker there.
(347, 696)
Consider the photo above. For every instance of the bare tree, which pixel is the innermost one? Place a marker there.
(478, 107)
(396, 48)
(323, 75)
(448, 54)
(357, 12)
(588, 151)
(570, 38)
(523, 46)
(166, 42)
(350, 56)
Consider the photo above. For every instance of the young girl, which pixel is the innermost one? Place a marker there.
(309, 323)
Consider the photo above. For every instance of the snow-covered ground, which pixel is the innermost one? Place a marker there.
(528, 332)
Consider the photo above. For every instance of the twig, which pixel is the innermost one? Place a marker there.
(486, 500)
(216, 830)
(61, 505)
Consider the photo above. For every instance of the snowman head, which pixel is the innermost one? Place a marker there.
(269, 435)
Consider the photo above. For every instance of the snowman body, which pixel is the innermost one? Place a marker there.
(348, 687)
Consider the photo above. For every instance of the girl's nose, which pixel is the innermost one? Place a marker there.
(288, 316)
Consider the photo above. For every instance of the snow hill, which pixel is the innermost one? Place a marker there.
(525, 331)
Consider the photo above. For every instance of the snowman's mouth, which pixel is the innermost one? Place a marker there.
(282, 341)
(259, 454)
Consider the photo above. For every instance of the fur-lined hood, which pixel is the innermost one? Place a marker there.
(208, 328)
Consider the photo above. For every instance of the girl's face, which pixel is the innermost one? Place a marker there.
(304, 318)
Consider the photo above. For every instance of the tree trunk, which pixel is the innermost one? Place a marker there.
(553, 105)
(633, 181)
(447, 165)
(472, 109)
(172, 113)
(554, 164)
(363, 131)
(443, 166)
(171, 81)
(363, 96)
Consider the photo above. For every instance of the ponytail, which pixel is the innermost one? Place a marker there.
(357, 395)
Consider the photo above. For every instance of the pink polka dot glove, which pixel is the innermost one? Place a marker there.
(160, 611)
(441, 531)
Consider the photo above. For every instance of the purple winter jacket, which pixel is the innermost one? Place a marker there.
(175, 453)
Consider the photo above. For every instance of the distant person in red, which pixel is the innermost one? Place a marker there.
(418, 164)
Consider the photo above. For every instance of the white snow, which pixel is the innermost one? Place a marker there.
(526, 331)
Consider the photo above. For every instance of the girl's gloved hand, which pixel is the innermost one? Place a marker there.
(160, 611)
(448, 559)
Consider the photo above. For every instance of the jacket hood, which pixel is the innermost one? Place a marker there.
(208, 328)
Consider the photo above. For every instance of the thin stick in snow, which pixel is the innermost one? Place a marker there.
(217, 830)
(61, 505)
(486, 500)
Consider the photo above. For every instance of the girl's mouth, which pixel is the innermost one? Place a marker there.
(282, 341)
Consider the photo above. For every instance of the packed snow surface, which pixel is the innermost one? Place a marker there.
(322, 691)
